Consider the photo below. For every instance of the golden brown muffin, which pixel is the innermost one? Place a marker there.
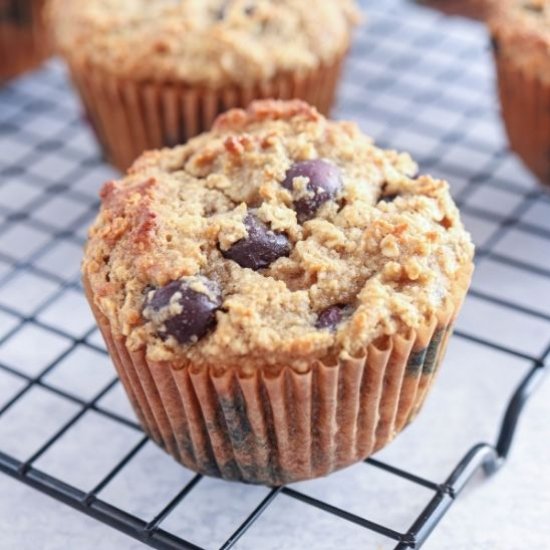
(276, 294)
(157, 72)
(23, 39)
(521, 45)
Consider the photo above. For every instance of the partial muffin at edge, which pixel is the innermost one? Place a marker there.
(155, 73)
(24, 42)
(521, 45)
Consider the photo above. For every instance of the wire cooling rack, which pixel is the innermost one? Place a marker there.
(416, 81)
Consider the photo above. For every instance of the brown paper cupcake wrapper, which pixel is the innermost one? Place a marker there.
(24, 42)
(474, 9)
(132, 117)
(290, 426)
(525, 105)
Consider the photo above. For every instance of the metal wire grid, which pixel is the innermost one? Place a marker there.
(414, 80)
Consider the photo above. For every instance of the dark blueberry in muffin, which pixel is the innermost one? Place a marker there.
(260, 248)
(184, 309)
(330, 318)
(324, 184)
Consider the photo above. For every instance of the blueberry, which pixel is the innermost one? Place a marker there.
(260, 248)
(324, 183)
(198, 298)
(330, 318)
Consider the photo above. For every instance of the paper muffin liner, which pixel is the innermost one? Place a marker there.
(24, 42)
(130, 117)
(474, 9)
(276, 429)
(525, 106)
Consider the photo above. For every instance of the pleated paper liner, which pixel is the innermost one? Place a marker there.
(474, 9)
(24, 42)
(276, 429)
(525, 105)
(131, 117)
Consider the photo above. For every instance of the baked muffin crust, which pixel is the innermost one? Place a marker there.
(521, 34)
(211, 42)
(383, 251)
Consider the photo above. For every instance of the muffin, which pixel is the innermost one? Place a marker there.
(23, 39)
(154, 73)
(521, 45)
(277, 294)
(475, 9)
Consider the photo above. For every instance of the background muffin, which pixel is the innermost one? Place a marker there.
(476, 9)
(23, 40)
(521, 44)
(276, 294)
(155, 73)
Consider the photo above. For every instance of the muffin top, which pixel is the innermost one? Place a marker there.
(278, 238)
(210, 42)
(521, 34)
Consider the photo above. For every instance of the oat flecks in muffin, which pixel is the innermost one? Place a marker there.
(383, 264)
(212, 42)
